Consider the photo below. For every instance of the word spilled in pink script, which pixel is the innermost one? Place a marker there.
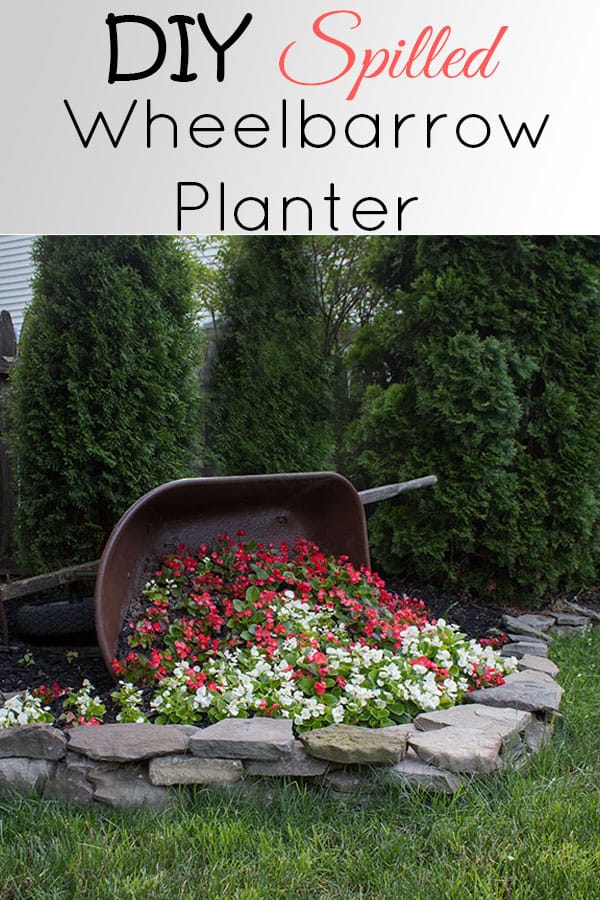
(429, 55)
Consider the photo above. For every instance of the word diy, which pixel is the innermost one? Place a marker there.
(182, 22)
(426, 56)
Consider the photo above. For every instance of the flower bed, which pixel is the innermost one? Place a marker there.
(239, 629)
(282, 654)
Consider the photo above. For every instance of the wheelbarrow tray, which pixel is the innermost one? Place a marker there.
(323, 507)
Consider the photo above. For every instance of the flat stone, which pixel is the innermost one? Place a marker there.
(76, 761)
(297, 764)
(25, 775)
(344, 782)
(592, 614)
(461, 750)
(573, 620)
(539, 663)
(127, 742)
(190, 730)
(399, 730)
(69, 784)
(528, 639)
(523, 626)
(568, 630)
(514, 757)
(257, 738)
(350, 744)
(538, 734)
(127, 787)
(524, 648)
(538, 622)
(35, 741)
(418, 774)
(167, 770)
(528, 690)
(258, 790)
(508, 723)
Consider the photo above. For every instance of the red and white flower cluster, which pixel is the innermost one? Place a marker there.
(240, 629)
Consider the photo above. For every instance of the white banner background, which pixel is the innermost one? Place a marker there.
(546, 66)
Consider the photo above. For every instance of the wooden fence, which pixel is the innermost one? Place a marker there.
(8, 352)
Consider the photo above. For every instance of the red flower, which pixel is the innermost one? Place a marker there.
(117, 667)
(320, 688)
(182, 649)
(319, 658)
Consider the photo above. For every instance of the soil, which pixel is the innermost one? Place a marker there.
(27, 662)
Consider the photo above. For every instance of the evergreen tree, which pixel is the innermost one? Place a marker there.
(273, 404)
(104, 395)
(488, 376)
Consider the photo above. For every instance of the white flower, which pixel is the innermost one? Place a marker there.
(337, 713)
(23, 709)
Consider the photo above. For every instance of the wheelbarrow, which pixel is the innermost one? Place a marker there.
(322, 507)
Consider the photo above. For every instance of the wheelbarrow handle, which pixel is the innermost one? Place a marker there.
(374, 495)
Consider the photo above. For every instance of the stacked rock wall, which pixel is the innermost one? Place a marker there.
(129, 765)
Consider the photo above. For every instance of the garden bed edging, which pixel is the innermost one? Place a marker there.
(142, 765)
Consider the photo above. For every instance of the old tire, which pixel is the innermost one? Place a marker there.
(60, 617)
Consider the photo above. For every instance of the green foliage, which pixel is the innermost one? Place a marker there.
(525, 835)
(344, 290)
(103, 404)
(346, 302)
(489, 377)
(273, 405)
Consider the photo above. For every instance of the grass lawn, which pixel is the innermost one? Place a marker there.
(529, 834)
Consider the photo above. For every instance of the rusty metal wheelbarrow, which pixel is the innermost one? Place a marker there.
(323, 507)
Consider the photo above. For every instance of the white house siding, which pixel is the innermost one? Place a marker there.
(16, 269)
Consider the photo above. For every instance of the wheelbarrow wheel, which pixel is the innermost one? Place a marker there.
(60, 617)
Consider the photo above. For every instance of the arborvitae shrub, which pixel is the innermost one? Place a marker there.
(104, 393)
(272, 411)
(492, 382)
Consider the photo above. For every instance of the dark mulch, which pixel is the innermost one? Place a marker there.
(25, 663)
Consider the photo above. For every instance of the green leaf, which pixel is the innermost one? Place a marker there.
(252, 595)
(330, 699)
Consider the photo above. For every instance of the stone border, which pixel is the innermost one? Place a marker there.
(141, 765)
